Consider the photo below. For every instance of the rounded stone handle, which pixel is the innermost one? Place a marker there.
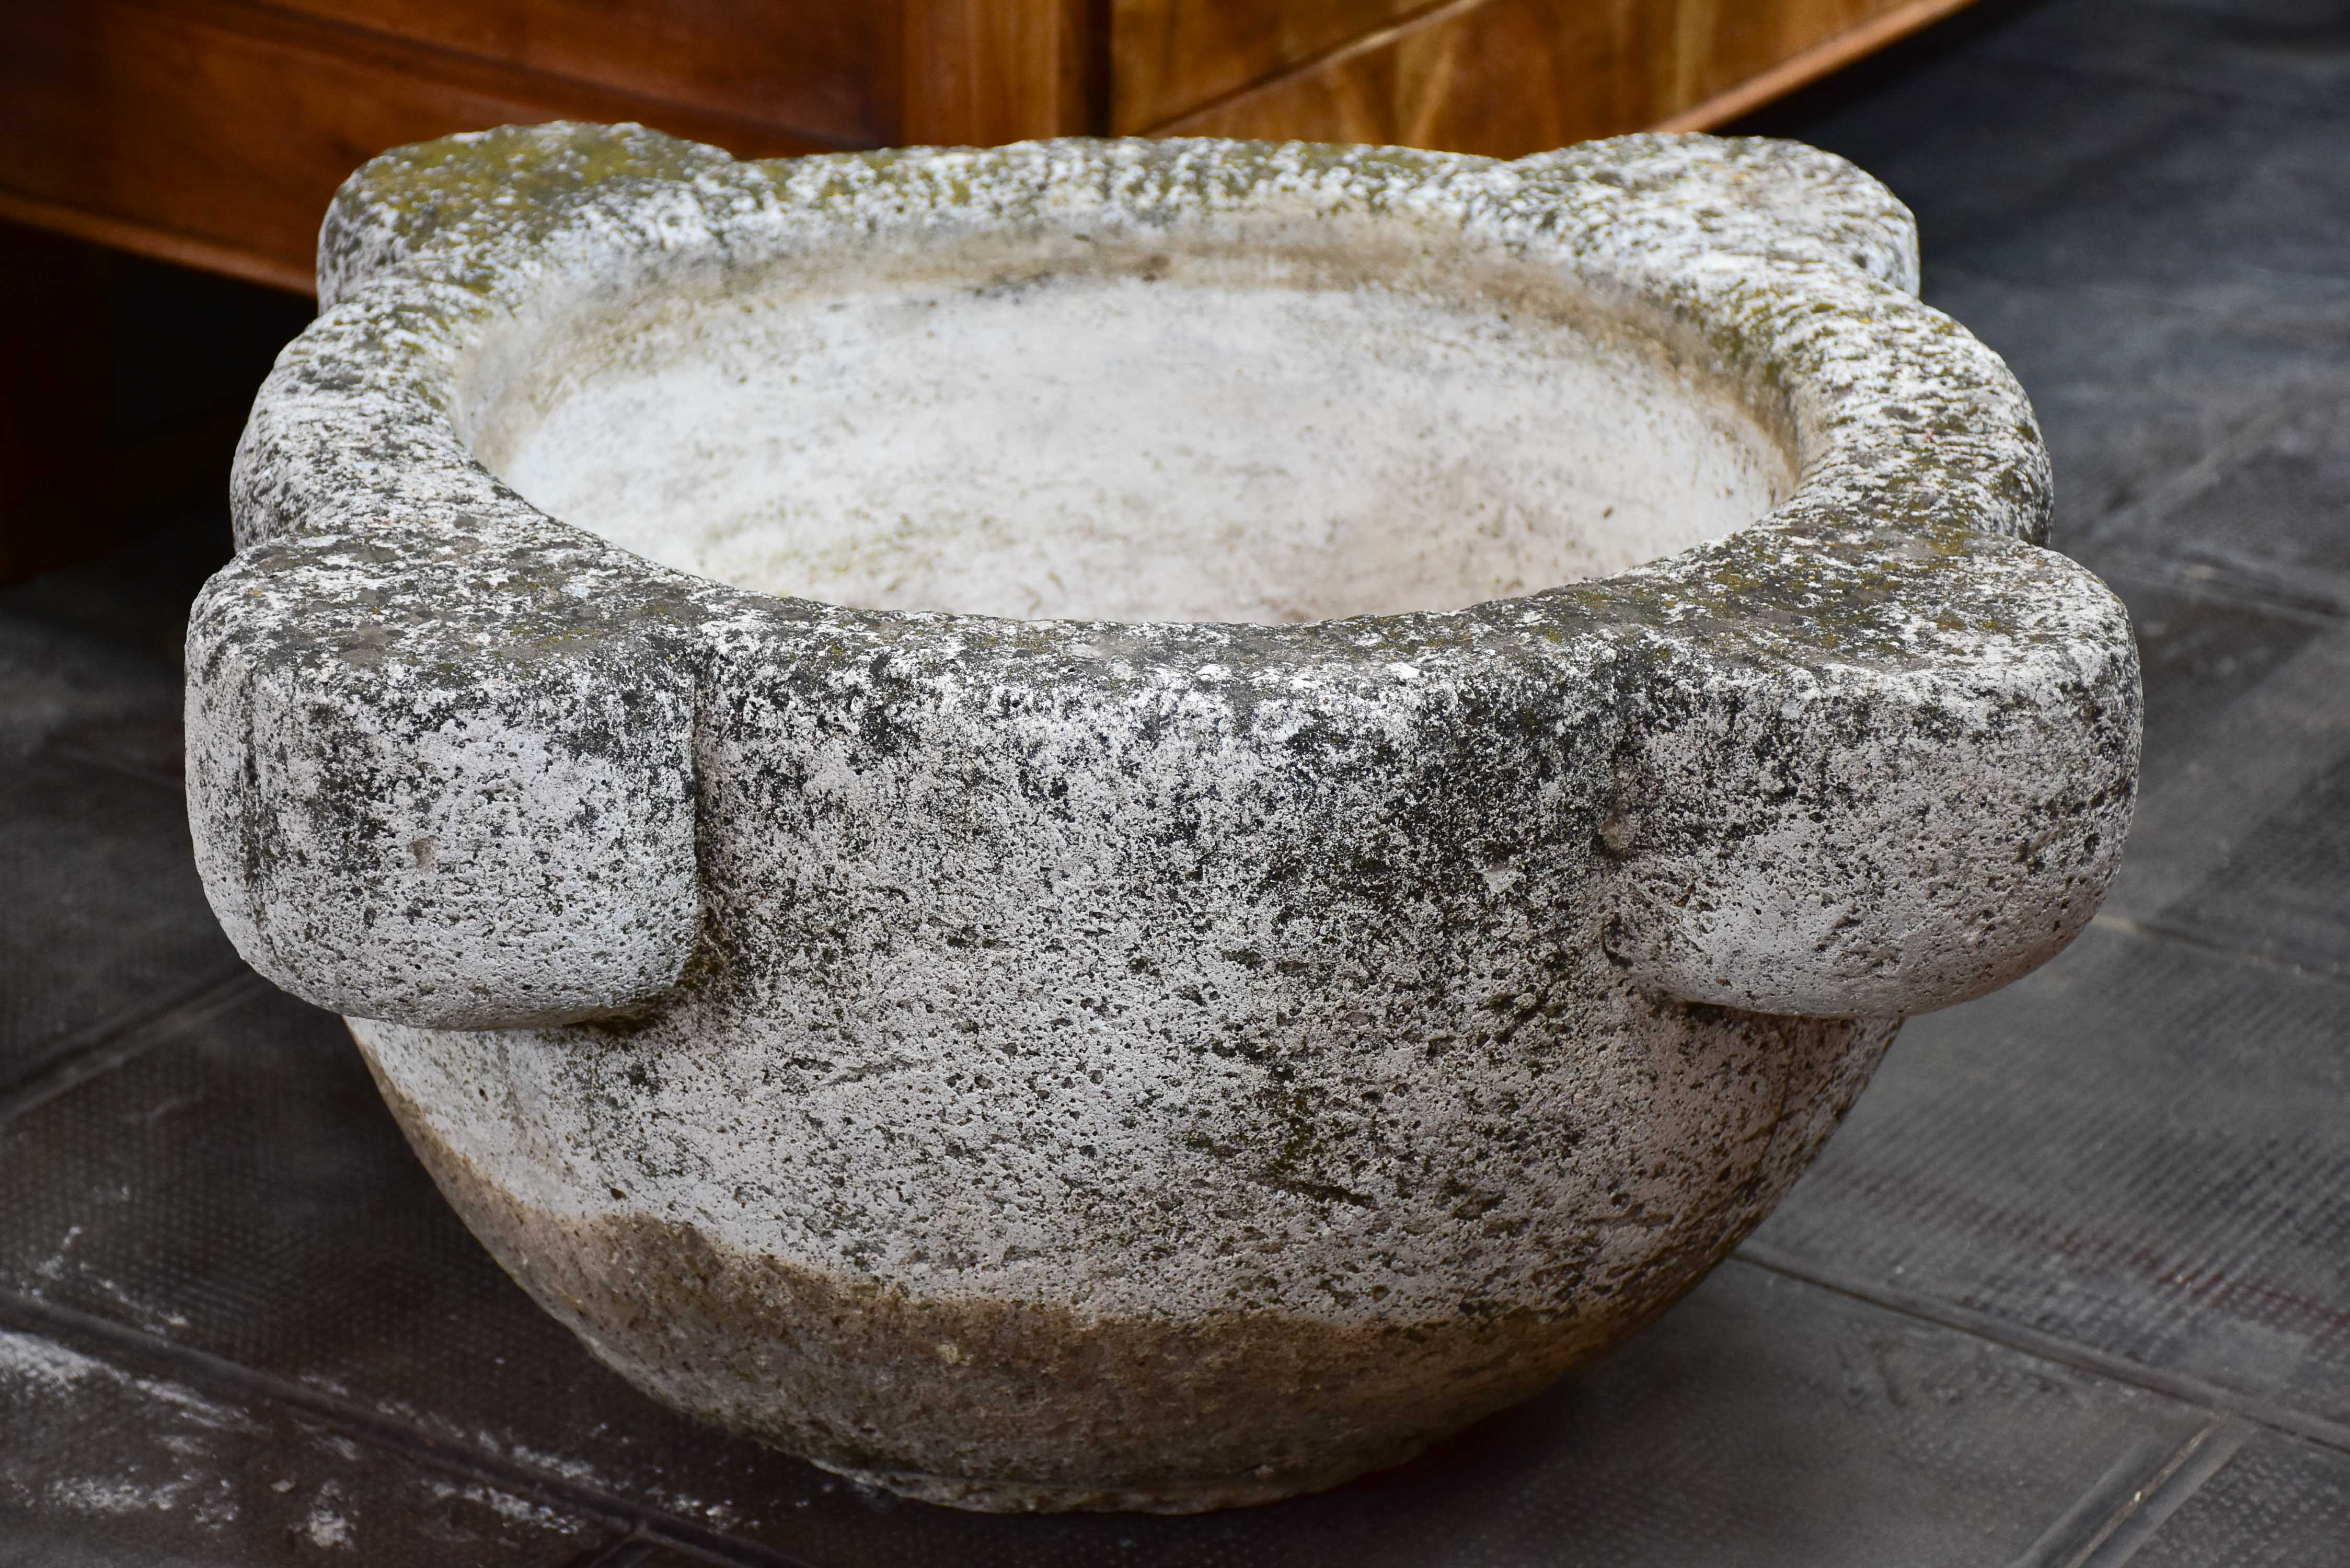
(1805, 824)
(1791, 844)
(476, 840)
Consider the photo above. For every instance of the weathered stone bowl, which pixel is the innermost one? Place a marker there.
(1120, 824)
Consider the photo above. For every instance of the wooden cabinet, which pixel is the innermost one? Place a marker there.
(1498, 76)
(213, 131)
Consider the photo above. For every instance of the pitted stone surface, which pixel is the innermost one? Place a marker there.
(988, 1055)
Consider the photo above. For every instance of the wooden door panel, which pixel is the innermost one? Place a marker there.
(1506, 77)
(821, 67)
(216, 134)
(979, 73)
(1173, 57)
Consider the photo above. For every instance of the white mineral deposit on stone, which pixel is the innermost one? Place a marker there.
(1135, 825)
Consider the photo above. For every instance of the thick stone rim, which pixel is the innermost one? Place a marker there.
(1899, 590)
(1799, 268)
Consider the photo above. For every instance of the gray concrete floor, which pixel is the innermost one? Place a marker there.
(2071, 1287)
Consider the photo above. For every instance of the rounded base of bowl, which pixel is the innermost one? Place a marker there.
(1116, 1437)
(1004, 1404)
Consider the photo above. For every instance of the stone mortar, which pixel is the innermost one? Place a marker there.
(1166, 816)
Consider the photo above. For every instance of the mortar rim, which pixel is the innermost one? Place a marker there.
(432, 240)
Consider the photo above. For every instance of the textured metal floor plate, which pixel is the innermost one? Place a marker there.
(104, 1465)
(2144, 1148)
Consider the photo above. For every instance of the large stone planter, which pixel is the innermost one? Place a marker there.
(1088, 871)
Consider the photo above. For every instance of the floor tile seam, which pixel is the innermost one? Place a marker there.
(625, 1552)
(2198, 1459)
(2094, 1513)
(2181, 1387)
(2156, 928)
(2021, 59)
(135, 1351)
(2080, 1534)
(106, 1046)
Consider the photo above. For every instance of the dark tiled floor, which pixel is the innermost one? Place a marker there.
(2275, 1504)
(106, 1466)
(105, 924)
(2140, 1150)
(2072, 1287)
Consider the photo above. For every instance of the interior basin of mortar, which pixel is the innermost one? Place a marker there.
(1590, 669)
(1283, 427)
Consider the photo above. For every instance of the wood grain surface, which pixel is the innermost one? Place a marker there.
(215, 132)
(983, 72)
(822, 67)
(1510, 77)
(1170, 58)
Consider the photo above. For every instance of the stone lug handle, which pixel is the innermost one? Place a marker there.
(456, 838)
(1817, 843)
(1878, 747)
(1891, 767)
(439, 764)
